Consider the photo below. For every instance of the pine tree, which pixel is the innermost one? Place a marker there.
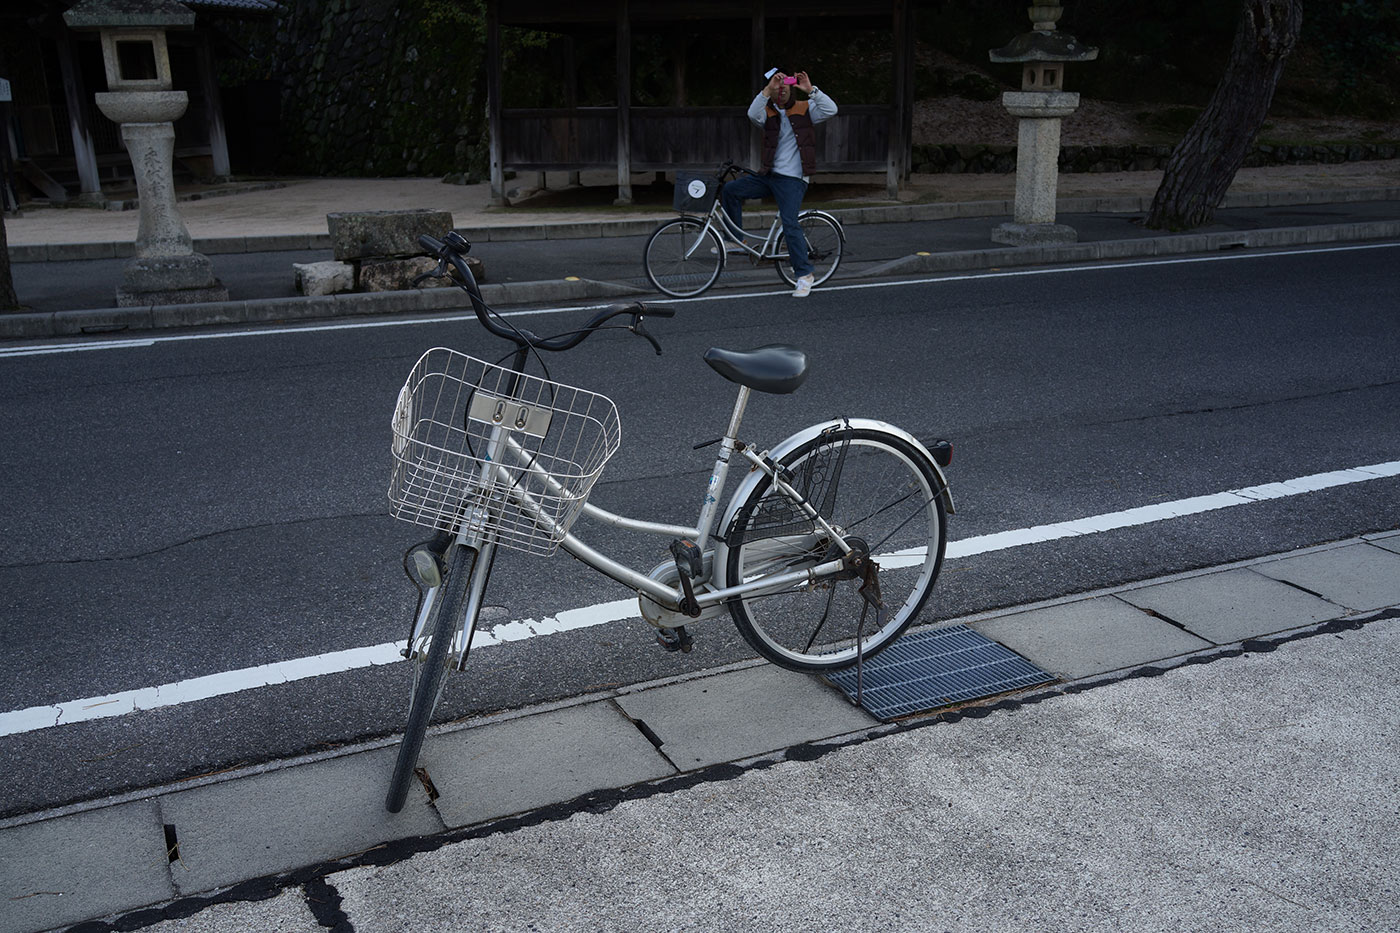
(1203, 165)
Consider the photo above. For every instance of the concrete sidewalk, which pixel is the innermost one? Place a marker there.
(1363, 199)
(1206, 760)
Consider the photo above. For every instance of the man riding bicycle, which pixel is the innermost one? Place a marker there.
(789, 159)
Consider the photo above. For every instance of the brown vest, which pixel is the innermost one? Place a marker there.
(801, 127)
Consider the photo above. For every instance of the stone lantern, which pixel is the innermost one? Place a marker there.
(165, 269)
(1040, 105)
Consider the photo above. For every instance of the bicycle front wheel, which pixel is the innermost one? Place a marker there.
(824, 247)
(683, 258)
(430, 664)
(882, 495)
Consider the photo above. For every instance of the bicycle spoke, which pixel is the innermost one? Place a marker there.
(822, 623)
(874, 548)
(816, 624)
(880, 511)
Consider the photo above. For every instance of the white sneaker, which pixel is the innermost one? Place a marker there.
(804, 287)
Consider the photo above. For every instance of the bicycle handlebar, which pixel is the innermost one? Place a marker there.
(727, 168)
(451, 250)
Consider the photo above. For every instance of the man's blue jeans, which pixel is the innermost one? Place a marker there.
(788, 192)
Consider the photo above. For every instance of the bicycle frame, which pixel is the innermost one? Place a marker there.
(712, 591)
(717, 217)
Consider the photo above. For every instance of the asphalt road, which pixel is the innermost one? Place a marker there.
(179, 508)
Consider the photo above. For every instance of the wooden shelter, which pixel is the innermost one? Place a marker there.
(862, 137)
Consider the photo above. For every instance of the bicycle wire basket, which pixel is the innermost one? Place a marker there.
(551, 442)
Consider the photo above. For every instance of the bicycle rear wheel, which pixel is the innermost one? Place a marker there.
(430, 668)
(825, 245)
(881, 493)
(683, 257)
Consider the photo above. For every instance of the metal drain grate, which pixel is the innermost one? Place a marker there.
(926, 670)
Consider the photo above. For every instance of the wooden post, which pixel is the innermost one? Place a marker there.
(571, 101)
(908, 35)
(757, 40)
(84, 155)
(624, 103)
(213, 110)
(493, 101)
(894, 161)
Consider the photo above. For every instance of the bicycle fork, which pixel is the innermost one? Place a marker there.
(471, 533)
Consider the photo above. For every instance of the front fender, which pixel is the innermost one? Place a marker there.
(746, 486)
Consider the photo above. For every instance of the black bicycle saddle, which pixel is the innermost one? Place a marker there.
(777, 368)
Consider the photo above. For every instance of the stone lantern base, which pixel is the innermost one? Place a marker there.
(169, 280)
(1013, 234)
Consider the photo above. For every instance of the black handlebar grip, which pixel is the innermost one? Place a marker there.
(431, 244)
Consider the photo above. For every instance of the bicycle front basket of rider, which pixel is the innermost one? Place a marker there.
(480, 447)
(695, 192)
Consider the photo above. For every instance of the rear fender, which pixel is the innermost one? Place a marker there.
(746, 486)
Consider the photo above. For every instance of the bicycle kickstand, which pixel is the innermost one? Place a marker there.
(870, 592)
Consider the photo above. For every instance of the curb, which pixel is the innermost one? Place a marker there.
(281, 310)
(594, 229)
(268, 310)
(1127, 249)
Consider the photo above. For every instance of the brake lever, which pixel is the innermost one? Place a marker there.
(640, 330)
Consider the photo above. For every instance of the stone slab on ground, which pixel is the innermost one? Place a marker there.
(1041, 234)
(742, 713)
(1360, 576)
(384, 234)
(501, 768)
(1390, 544)
(1234, 605)
(289, 818)
(285, 913)
(1087, 637)
(323, 278)
(215, 293)
(70, 868)
(392, 275)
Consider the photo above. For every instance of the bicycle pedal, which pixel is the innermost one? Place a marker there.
(675, 639)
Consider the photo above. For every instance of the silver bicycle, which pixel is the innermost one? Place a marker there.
(824, 554)
(684, 257)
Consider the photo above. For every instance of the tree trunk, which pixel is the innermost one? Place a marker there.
(1204, 163)
(9, 301)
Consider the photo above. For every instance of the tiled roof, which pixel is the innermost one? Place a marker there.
(242, 6)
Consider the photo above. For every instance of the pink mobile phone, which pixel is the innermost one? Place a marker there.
(789, 80)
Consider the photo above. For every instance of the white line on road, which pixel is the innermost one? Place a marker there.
(250, 678)
(1106, 265)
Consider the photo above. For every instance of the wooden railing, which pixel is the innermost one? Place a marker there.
(857, 139)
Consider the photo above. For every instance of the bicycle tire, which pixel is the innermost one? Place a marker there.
(825, 245)
(675, 265)
(870, 484)
(430, 673)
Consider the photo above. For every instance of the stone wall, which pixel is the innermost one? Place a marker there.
(1002, 159)
(381, 87)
